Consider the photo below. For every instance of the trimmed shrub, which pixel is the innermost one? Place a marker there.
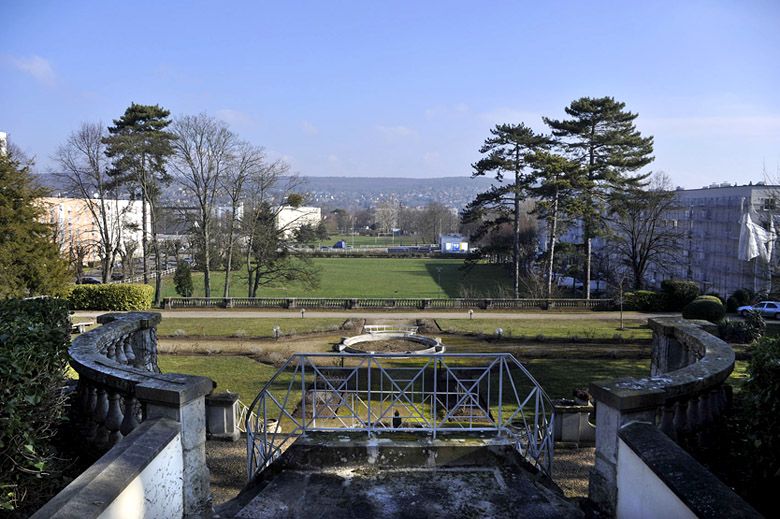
(762, 393)
(644, 301)
(708, 308)
(182, 279)
(34, 339)
(746, 331)
(740, 297)
(678, 293)
(116, 297)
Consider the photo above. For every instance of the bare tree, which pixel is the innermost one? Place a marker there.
(84, 172)
(248, 164)
(203, 151)
(387, 215)
(126, 254)
(270, 257)
(643, 233)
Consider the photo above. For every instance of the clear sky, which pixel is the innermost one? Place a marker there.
(403, 88)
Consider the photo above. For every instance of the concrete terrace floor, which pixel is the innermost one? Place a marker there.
(330, 481)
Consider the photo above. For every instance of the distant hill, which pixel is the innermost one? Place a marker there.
(356, 192)
(363, 192)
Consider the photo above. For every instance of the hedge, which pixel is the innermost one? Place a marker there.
(115, 296)
(678, 293)
(708, 308)
(34, 339)
(644, 301)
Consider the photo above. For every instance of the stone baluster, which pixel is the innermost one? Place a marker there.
(131, 419)
(704, 409)
(127, 345)
(101, 412)
(667, 420)
(114, 418)
(693, 418)
(120, 351)
(681, 417)
(90, 429)
(111, 351)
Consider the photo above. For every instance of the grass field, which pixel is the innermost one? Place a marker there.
(241, 327)
(373, 241)
(550, 329)
(374, 277)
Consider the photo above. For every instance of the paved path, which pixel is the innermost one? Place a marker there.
(418, 314)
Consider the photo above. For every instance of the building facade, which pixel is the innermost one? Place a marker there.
(76, 226)
(289, 219)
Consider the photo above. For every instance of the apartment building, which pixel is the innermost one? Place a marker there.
(75, 224)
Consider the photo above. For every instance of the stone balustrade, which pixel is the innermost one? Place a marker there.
(120, 386)
(684, 394)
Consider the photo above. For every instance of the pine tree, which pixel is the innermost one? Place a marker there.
(505, 158)
(602, 138)
(140, 146)
(30, 262)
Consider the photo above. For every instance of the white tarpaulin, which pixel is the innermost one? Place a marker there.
(754, 240)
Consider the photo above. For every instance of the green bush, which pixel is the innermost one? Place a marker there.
(182, 279)
(644, 301)
(34, 338)
(708, 308)
(740, 297)
(678, 293)
(746, 331)
(115, 296)
(762, 394)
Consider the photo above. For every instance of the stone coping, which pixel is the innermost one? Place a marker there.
(95, 489)
(704, 494)
(167, 389)
(713, 368)
(348, 344)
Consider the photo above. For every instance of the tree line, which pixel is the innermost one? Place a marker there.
(584, 173)
(144, 151)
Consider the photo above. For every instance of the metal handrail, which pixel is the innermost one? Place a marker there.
(385, 392)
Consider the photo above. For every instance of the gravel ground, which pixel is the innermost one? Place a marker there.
(571, 469)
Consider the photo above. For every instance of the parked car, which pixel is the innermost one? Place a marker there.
(90, 281)
(117, 276)
(765, 308)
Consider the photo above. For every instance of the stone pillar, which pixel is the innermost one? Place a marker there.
(221, 416)
(185, 404)
(602, 485)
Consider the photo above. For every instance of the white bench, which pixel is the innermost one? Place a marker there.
(80, 327)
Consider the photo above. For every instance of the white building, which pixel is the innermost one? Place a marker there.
(453, 243)
(289, 219)
(76, 225)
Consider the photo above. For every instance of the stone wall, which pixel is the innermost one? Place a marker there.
(683, 397)
(120, 387)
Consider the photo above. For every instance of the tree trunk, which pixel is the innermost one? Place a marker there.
(588, 249)
(206, 264)
(553, 234)
(229, 262)
(144, 238)
(157, 263)
(516, 232)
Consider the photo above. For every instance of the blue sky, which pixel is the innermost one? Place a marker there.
(403, 88)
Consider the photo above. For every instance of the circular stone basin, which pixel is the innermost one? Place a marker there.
(390, 342)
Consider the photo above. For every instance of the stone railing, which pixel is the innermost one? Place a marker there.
(121, 386)
(683, 396)
(325, 303)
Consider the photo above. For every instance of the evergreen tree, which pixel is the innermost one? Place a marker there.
(504, 157)
(602, 138)
(139, 146)
(182, 279)
(554, 189)
(30, 262)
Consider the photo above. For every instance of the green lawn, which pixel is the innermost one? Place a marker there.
(243, 327)
(374, 277)
(551, 328)
(245, 376)
(373, 241)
